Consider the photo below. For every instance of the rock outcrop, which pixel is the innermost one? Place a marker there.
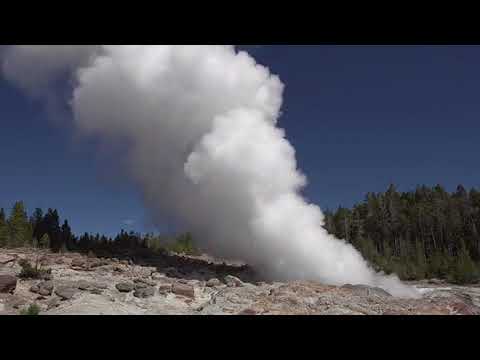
(170, 284)
(8, 283)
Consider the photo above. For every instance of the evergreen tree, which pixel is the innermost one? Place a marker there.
(4, 236)
(19, 227)
(421, 261)
(44, 241)
(426, 232)
(51, 226)
(67, 236)
(464, 269)
(36, 222)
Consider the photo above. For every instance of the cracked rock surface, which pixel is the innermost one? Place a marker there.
(173, 284)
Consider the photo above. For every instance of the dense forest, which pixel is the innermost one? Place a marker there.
(44, 231)
(426, 233)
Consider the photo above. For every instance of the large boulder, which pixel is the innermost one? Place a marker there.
(125, 287)
(78, 264)
(8, 283)
(94, 263)
(16, 302)
(173, 272)
(65, 292)
(213, 282)
(144, 292)
(45, 288)
(83, 285)
(53, 303)
(148, 282)
(5, 259)
(183, 290)
(233, 281)
(164, 288)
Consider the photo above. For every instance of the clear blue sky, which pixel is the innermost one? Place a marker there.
(360, 118)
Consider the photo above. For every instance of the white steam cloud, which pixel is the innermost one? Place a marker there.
(203, 146)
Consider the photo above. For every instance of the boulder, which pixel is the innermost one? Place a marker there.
(125, 287)
(83, 285)
(65, 292)
(172, 272)
(140, 285)
(16, 302)
(5, 259)
(8, 283)
(95, 263)
(96, 291)
(158, 276)
(144, 292)
(101, 286)
(144, 281)
(213, 282)
(435, 282)
(53, 303)
(78, 262)
(45, 292)
(183, 290)
(233, 281)
(119, 268)
(164, 288)
(45, 288)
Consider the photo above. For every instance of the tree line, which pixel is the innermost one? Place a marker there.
(425, 233)
(38, 230)
(43, 230)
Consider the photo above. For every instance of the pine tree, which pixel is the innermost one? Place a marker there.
(19, 227)
(44, 242)
(51, 226)
(426, 232)
(4, 236)
(464, 269)
(68, 242)
(36, 221)
(421, 262)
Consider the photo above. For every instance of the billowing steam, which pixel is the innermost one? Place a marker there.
(200, 123)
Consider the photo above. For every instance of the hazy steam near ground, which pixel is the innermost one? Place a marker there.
(204, 147)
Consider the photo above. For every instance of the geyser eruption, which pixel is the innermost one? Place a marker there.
(203, 145)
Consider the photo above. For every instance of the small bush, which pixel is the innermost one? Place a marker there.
(184, 245)
(33, 309)
(31, 272)
(463, 269)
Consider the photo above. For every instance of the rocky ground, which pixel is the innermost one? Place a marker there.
(172, 284)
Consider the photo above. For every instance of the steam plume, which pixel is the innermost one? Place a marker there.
(203, 146)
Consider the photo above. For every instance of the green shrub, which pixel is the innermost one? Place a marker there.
(463, 269)
(33, 309)
(184, 245)
(31, 272)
